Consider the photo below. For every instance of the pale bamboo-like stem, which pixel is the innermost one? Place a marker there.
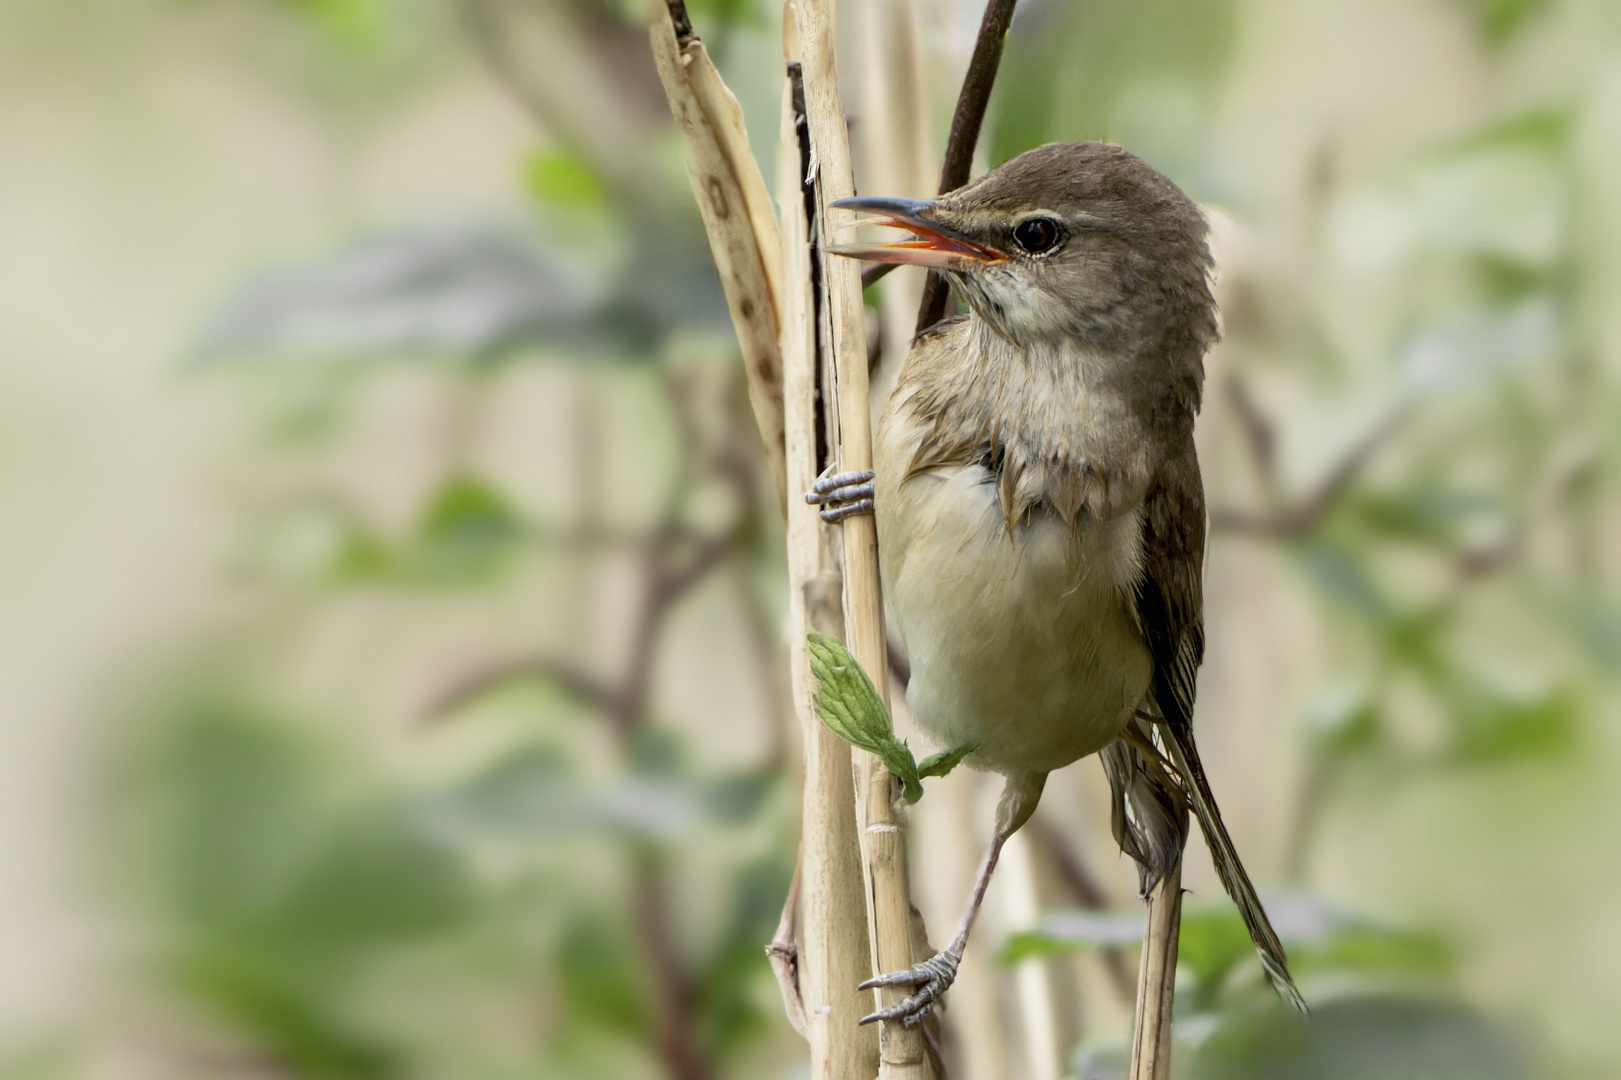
(952, 827)
(902, 1052)
(1037, 1011)
(768, 295)
(737, 214)
(896, 156)
(1156, 980)
(833, 953)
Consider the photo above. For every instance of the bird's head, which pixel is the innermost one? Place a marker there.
(1078, 240)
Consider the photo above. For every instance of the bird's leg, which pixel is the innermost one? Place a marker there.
(934, 976)
(843, 495)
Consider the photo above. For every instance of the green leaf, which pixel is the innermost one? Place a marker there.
(849, 705)
(535, 796)
(1342, 717)
(358, 25)
(1072, 931)
(1361, 1038)
(283, 1009)
(941, 763)
(1492, 723)
(1500, 20)
(1214, 941)
(468, 531)
(730, 1007)
(1340, 574)
(562, 178)
(596, 969)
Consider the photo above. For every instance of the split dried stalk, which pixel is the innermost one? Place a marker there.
(737, 214)
(833, 954)
(902, 1052)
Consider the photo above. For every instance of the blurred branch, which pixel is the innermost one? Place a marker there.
(585, 688)
(673, 562)
(572, 78)
(1078, 878)
(1260, 436)
(1317, 784)
(1300, 519)
(675, 997)
(966, 122)
(1565, 467)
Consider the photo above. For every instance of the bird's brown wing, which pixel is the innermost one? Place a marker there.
(1170, 594)
(1170, 609)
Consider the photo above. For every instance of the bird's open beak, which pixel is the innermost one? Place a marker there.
(932, 244)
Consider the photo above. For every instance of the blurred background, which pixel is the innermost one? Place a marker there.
(392, 679)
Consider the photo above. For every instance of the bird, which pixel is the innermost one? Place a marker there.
(1039, 505)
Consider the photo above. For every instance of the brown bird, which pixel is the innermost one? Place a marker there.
(1041, 517)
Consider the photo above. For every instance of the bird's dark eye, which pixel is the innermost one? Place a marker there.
(1036, 235)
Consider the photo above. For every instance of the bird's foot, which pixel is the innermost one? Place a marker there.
(843, 495)
(932, 978)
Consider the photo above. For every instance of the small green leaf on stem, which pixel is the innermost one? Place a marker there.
(849, 705)
(943, 762)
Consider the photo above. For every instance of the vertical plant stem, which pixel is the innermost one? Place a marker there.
(833, 953)
(1156, 981)
(966, 122)
(1037, 1010)
(896, 154)
(902, 1052)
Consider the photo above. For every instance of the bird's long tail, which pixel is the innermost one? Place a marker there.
(1146, 833)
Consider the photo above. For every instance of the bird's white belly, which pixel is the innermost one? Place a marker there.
(1027, 647)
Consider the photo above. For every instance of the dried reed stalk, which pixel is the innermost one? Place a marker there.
(767, 282)
(737, 213)
(896, 155)
(833, 946)
(1156, 981)
(902, 1052)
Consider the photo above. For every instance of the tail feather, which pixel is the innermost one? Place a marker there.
(1196, 786)
(1148, 813)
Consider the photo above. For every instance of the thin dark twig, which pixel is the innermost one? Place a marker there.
(965, 124)
(578, 684)
(682, 22)
(976, 94)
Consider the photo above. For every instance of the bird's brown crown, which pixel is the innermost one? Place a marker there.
(1093, 244)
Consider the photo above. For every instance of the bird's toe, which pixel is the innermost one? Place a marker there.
(843, 495)
(933, 978)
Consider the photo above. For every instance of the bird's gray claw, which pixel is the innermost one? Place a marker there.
(843, 495)
(933, 978)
